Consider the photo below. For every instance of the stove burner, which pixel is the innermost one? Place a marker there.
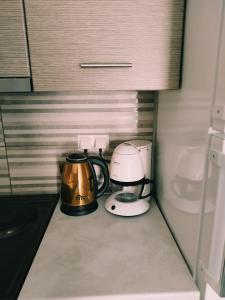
(15, 220)
(23, 221)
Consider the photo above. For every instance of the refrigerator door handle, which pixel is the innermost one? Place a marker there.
(222, 287)
(215, 271)
(217, 285)
(208, 277)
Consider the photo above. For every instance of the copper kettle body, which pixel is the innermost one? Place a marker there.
(79, 187)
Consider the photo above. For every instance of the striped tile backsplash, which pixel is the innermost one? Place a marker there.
(4, 174)
(41, 129)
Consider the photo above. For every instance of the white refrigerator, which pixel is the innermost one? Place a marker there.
(190, 153)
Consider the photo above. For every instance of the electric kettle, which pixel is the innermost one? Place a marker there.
(79, 186)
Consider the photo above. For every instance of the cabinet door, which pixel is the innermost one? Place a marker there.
(105, 44)
(13, 47)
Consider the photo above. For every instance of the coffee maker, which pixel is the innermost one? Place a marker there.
(130, 178)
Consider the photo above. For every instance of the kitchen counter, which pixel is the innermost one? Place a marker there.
(102, 256)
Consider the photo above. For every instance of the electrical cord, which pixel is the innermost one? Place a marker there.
(85, 152)
(100, 155)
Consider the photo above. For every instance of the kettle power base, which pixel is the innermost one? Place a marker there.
(78, 210)
(130, 209)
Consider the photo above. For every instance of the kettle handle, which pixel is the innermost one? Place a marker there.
(93, 160)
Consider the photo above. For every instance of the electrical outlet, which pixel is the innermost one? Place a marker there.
(101, 141)
(86, 142)
(93, 141)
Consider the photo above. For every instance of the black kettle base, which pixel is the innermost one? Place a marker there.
(78, 210)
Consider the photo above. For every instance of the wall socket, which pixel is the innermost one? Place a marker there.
(93, 142)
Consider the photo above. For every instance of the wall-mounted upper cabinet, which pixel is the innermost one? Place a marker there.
(105, 44)
(14, 64)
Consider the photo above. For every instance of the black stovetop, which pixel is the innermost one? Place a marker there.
(23, 222)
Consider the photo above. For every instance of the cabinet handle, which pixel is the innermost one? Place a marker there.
(106, 65)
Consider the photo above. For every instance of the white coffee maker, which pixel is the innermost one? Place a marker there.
(130, 177)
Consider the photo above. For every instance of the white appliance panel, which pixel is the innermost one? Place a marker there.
(211, 257)
(183, 121)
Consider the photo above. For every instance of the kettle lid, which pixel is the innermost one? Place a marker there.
(76, 158)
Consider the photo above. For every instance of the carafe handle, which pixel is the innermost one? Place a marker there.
(93, 160)
(146, 181)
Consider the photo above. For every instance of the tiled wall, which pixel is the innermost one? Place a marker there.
(40, 129)
(4, 174)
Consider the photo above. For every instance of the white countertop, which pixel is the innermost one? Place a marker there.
(102, 256)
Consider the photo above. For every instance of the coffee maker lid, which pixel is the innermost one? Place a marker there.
(140, 144)
(126, 149)
(76, 158)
